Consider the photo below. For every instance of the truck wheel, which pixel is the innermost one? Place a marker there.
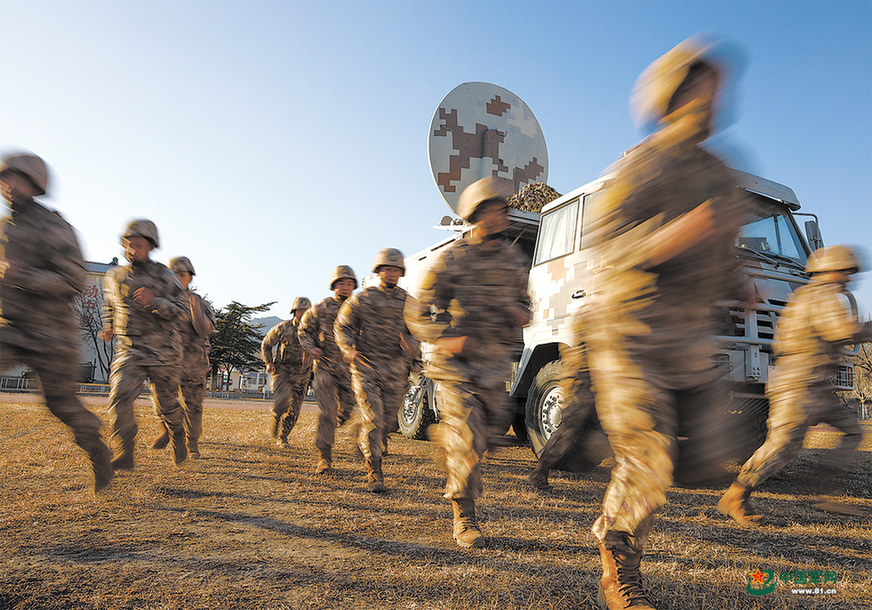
(417, 413)
(544, 400)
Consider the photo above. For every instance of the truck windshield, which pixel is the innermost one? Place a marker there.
(770, 231)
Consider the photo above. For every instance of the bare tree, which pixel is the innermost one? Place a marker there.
(863, 379)
(88, 307)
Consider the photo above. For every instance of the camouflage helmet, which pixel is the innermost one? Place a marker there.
(141, 228)
(340, 273)
(180, 264)
(390, 257)
(300, 303)
(478, 192)
(31, 166)
(834, 258)
(655, 87)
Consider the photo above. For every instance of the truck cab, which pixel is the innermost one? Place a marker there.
(773, 252)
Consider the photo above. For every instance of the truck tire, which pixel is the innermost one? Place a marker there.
(544, 400)
(417, 413)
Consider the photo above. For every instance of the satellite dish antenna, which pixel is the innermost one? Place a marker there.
(480, 130)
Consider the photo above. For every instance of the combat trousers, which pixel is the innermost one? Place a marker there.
(126, 378)
(379, 390)
(57, 373)
(336, 402)
(574, 413)
(642, 420)
(471, 412)
(793, 408)
(289, 390)
(193, 392)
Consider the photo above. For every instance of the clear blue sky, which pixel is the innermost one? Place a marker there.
(271, 141)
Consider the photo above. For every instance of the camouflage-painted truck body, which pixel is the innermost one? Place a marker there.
(773, 252)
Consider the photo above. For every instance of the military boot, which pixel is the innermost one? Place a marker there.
(538, 477)
(324, 467)
(162, 441)
(375, 481)
(124, 461)
(101, 464)
(466, 531)
(621, 584)
(193, 449)
(734, 504)
(180, 450)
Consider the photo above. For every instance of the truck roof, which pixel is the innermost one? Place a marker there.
(744, 180)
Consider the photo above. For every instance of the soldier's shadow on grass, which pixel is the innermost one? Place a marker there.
(407, 550)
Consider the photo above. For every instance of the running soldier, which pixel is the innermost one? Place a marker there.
(290, 369)
(473, 302)
(144, 305)
(372, 334)
(41, 273)
(664, 234)
(195, 331)
(332, 380)
(816, 322)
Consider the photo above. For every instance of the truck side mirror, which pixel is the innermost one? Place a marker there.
(813, 232)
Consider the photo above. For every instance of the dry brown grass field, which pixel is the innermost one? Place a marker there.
(250, 526)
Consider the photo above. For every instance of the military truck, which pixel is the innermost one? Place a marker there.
(773, 252)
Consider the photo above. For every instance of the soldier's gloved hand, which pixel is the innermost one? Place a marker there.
(107, 334)
(317, 353)
(143, 296)
(451, 346)
(518, 316)
(349, 356)
(270, 368)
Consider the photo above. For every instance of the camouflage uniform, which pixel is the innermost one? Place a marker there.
(293, 371)
(149, 346)
(371, 322)
(332, 379)
(811, 328)
(195, 365)
(37, 323)
(468, 289)
(651, 333)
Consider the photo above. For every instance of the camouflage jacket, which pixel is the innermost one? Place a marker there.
(662, 314)
(46, 273)
(195, 332)
(289, 354)
(151, 333)
(316, 331)
(816, 322)
(467, 293)
(372, 323)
